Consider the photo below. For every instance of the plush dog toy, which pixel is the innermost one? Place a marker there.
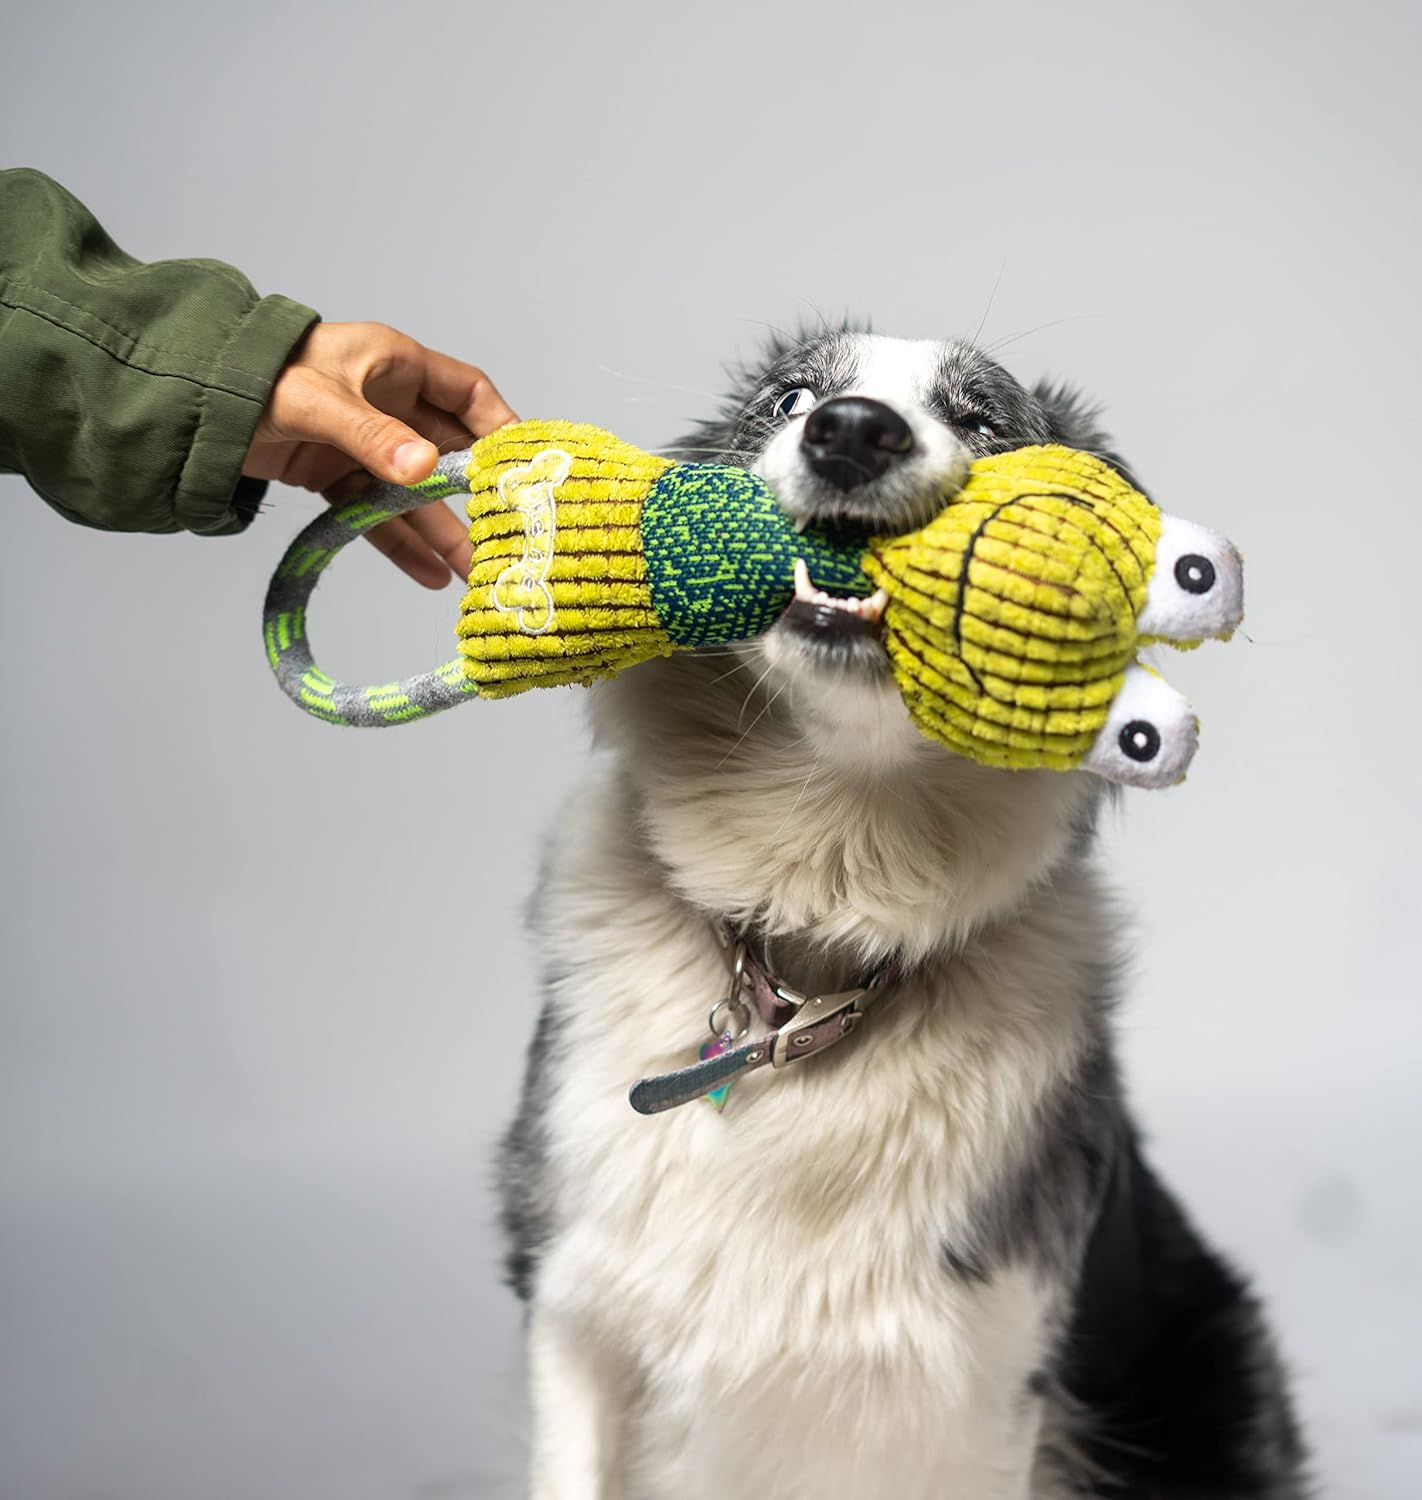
(1011, 620)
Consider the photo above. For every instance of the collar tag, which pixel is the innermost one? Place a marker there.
(815, 1022)
(716, 1097)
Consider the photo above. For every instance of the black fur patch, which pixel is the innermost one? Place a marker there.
(1168, 1357)
(963, 1266)
(1168, 1379)
(526, 1209)
(1076, 422)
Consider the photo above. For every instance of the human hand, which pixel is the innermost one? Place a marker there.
(358, 400)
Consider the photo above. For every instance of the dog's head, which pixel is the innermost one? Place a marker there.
(787, 783)
(870, 433)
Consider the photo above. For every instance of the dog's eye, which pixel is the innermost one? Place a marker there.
(972, 421)
(795, 403)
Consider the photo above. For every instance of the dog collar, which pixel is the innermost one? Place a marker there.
(801, 1026)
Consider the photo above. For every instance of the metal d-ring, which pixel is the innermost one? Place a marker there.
(732, 1006)
(728, 1008)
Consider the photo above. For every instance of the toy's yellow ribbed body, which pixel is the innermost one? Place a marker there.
(1012, 615)
(1012, 621)
(558, 590)
(1011, 618)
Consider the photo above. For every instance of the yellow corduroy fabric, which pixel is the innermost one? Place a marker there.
(566, 614)
(1012, 615)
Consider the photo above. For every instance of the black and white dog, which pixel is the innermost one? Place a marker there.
(931, 1262)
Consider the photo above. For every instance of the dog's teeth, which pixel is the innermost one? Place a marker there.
(871, 608)
(804, 589)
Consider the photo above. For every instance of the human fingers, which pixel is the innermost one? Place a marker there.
(433, 530)
(399, 540)
(464, 390)
(318, 408)
(444, 533)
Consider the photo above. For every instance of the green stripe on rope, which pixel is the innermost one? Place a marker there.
(284, 614)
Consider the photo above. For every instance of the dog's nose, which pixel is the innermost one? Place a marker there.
(852, 440)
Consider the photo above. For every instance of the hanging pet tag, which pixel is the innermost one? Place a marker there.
(723, 1038)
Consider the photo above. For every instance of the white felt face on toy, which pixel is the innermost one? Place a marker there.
(1196, 593)
(1150, 736)
(1197, 589)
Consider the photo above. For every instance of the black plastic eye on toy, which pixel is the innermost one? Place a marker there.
(1195, 574)
(1140, 741)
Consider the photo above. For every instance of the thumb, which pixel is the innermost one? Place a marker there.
(381, 444)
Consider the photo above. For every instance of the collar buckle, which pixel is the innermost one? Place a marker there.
(819, 1022)
(802, 1025)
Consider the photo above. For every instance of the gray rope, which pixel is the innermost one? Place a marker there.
(284, 623)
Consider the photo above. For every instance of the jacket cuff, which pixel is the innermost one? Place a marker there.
(210, 500)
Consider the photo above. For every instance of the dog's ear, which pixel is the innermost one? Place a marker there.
(1076, 423)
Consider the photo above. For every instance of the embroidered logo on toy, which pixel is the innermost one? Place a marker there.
(522, 588)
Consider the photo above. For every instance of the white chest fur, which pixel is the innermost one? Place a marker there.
(756, 1303)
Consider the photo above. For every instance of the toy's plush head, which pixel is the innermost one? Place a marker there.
(1015, 615)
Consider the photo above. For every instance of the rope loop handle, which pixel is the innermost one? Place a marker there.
(284, 622)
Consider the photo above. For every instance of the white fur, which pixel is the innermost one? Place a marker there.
(755, 1303)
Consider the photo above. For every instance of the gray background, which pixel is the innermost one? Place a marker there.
(264, 985)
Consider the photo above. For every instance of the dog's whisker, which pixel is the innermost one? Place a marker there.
(893, 791)
(666, 385)
(818, 315)
(769, 704)
(754, 687)
(800, 797)
(740, 666)
(710, 448)
(992, 297)
(1027, 333)
(775, 328)
(724, 454)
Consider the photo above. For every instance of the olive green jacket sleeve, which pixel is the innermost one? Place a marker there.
(129, 393)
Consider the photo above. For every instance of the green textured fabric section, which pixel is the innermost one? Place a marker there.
(721, 555)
